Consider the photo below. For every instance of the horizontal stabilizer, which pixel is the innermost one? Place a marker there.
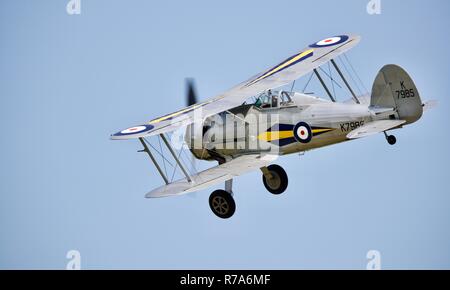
(430, 105)
(375, 127)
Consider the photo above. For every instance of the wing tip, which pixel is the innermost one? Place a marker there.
(133, 132)
(354, 38)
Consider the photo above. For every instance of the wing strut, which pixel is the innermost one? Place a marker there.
(147, 150)
(324, 86)
(163, 137)
(345, 81)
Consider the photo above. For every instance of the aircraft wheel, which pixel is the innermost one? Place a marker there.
(222, 204)
(279, 181)
(391, 140)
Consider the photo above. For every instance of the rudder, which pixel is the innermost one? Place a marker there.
(394, 88)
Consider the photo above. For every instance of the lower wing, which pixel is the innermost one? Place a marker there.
(215, 175)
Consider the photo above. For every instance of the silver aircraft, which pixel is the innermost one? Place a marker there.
(251, 125)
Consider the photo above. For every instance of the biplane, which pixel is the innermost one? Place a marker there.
(249, 126)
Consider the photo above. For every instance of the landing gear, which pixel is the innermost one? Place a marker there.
(275, 179)
(222, 204)
(390, 139)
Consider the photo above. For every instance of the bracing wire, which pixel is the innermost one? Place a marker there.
(307, 83)
(292, 88)
(332, 83)
(183, 160)
(322, 70)
(175, 169)
(357, 75)
(164, 162)
(189, 161)
(157, 151)
(351, 76)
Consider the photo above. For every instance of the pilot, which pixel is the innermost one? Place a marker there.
(274, 101)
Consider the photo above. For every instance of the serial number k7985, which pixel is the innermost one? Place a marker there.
(350, 126)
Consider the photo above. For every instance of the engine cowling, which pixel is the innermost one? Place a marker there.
(194, 138)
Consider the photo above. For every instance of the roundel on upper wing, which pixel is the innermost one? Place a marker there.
(303, 133)
(330, 41)
(134, 130)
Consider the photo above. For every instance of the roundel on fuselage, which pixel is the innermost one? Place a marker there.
(303, 133)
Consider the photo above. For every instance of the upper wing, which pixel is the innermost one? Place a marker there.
(212, 176)
(374, 127)
(283, 73)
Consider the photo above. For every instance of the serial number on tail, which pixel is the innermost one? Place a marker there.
(405, 93)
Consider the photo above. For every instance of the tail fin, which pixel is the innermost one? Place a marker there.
(394, 88)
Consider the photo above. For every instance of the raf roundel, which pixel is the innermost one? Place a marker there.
(134, 130)
(303, 133)
(330, 41)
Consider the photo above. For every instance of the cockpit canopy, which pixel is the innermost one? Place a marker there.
(273, 99)
(283, 99)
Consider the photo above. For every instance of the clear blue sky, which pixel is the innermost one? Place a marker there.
(68, 82)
